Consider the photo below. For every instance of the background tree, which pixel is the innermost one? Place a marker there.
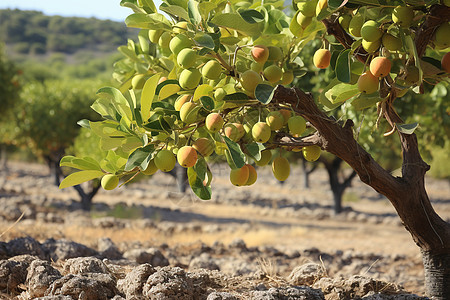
(218, 64)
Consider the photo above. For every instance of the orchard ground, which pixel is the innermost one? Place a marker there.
(267, 215)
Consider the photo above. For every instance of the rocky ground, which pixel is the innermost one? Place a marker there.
(147, 241)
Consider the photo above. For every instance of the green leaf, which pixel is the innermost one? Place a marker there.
(235, 21)
(148, 21)
(84, 123)
(239, 96)
(251, 16)
(343, 71)
(204, 40)
(205, 8)
(207, 102)
(335, 4)
(149, 6)
(164, 83)
(236, 153)
(175, 10)
(85, 163)
(254, 150)
(202, 90)
(193, 13)
(148, 93)
(364, 101)
(203, 192)
(407, 128)
(341, 92)
(119, 102)
(140, 158)
(80, 177)
(264, 93)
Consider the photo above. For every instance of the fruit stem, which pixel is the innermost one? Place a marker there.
(222, 62)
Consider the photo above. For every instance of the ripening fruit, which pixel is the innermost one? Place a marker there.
(240, 128)
(311, 153)
(275, 53)
(252, 175)
(188, 112)
(231, 132)
(154, 35)
(288, 77)
(281, 168)
(445, 62)
(261, 132)
(109, 182)
(239, 177)
(344, 21)
(380, 66)
(249, 80)
(412, 74)
(212, 70)
(273, 73)
(367, 83)
(138, 81)
(257, 67)
(181, 100)
(219, 94)
(214, 122)
(186, 58)
(187, 156)
(371, 47)
(275, 120)
(204, 146)
(190, 78)
(354, 27)
(391, 42)
(303, 20)
(164, 40)
(322, 58)
(260, 53)
(442, 36)
(151, 168)
(165, 160)
(296, 125)
(286, 115)
(178, 43)
(321, 5)
(307, 8)
(370, 31)
(403, 15)
(266, 156)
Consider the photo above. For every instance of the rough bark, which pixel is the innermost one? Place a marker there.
(437, 274)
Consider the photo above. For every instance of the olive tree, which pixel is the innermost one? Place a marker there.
(217, 76)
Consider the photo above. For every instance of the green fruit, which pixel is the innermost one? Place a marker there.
(275, 120)
(187, 156)
(178, 43)
(354, 27)
(303, 20)
(219, 94)
(204, 146)
(252, 175)
(442, 36)
(296, 125)
(344, 21)
(266, 156)
(239, 177)
(151, 168)
(371, 47)
(109, 182)
(231, 131)
(311, 153)
(367, 83)
(249, 80)
(281, 168)
(322, 58)
(273, 73)
(261, 132)
(165, 160)
(288, 77)
(164, 40)
(403, 15)
(212, 70)
(257, 67)
(370, 31)
(180, 27)
(391, 42)
(260, 53)
(138, 81)
(307, 8)
(190, 78)
(187, 58)
(188, 112)
(154, 35)
(214, 122)
(275, 54)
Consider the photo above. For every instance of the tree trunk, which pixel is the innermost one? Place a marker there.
(86, 198)
(3, 157)
(306, 172)
(182, 178)
(437, 274)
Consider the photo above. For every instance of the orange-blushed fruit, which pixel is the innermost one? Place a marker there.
(380, 66)
(214, 122)
(322, 58)
(367, 83)
(239, 177)
(260, 53)
(187, 156)
(252, 175)
(445, 62)
(204, 146)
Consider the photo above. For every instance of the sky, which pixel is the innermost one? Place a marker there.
(100, 9)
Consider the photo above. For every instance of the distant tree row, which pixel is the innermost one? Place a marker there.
(35, 33)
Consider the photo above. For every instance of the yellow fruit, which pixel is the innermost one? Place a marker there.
(249, 80)
(219, 94)
(165, 160)
(252, 175)
(181, 100)
(214, 122)
(187, 156)
(354, 27)
(186, 58)
(391, 42)
(239, 177)
(380, 66)
(275, 53)
(311, 153)
(266, 156)
(296, 125)
(367, 83)
(445, 62)
(151, 168)
(204, 146)
(403, 15)
(212, 70)
(288, 77)
(371, 47)
(178, 43)
(275, 120)
(303, 20)
(308, 8)
(281, 168)
(322, 58)
(231, 132)
(240, 129)
(261, 132)
(109, 182)
(273, 73)
(138, 81)
(188, 112)
(370, 31)
(260, 53)
(190, 78)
